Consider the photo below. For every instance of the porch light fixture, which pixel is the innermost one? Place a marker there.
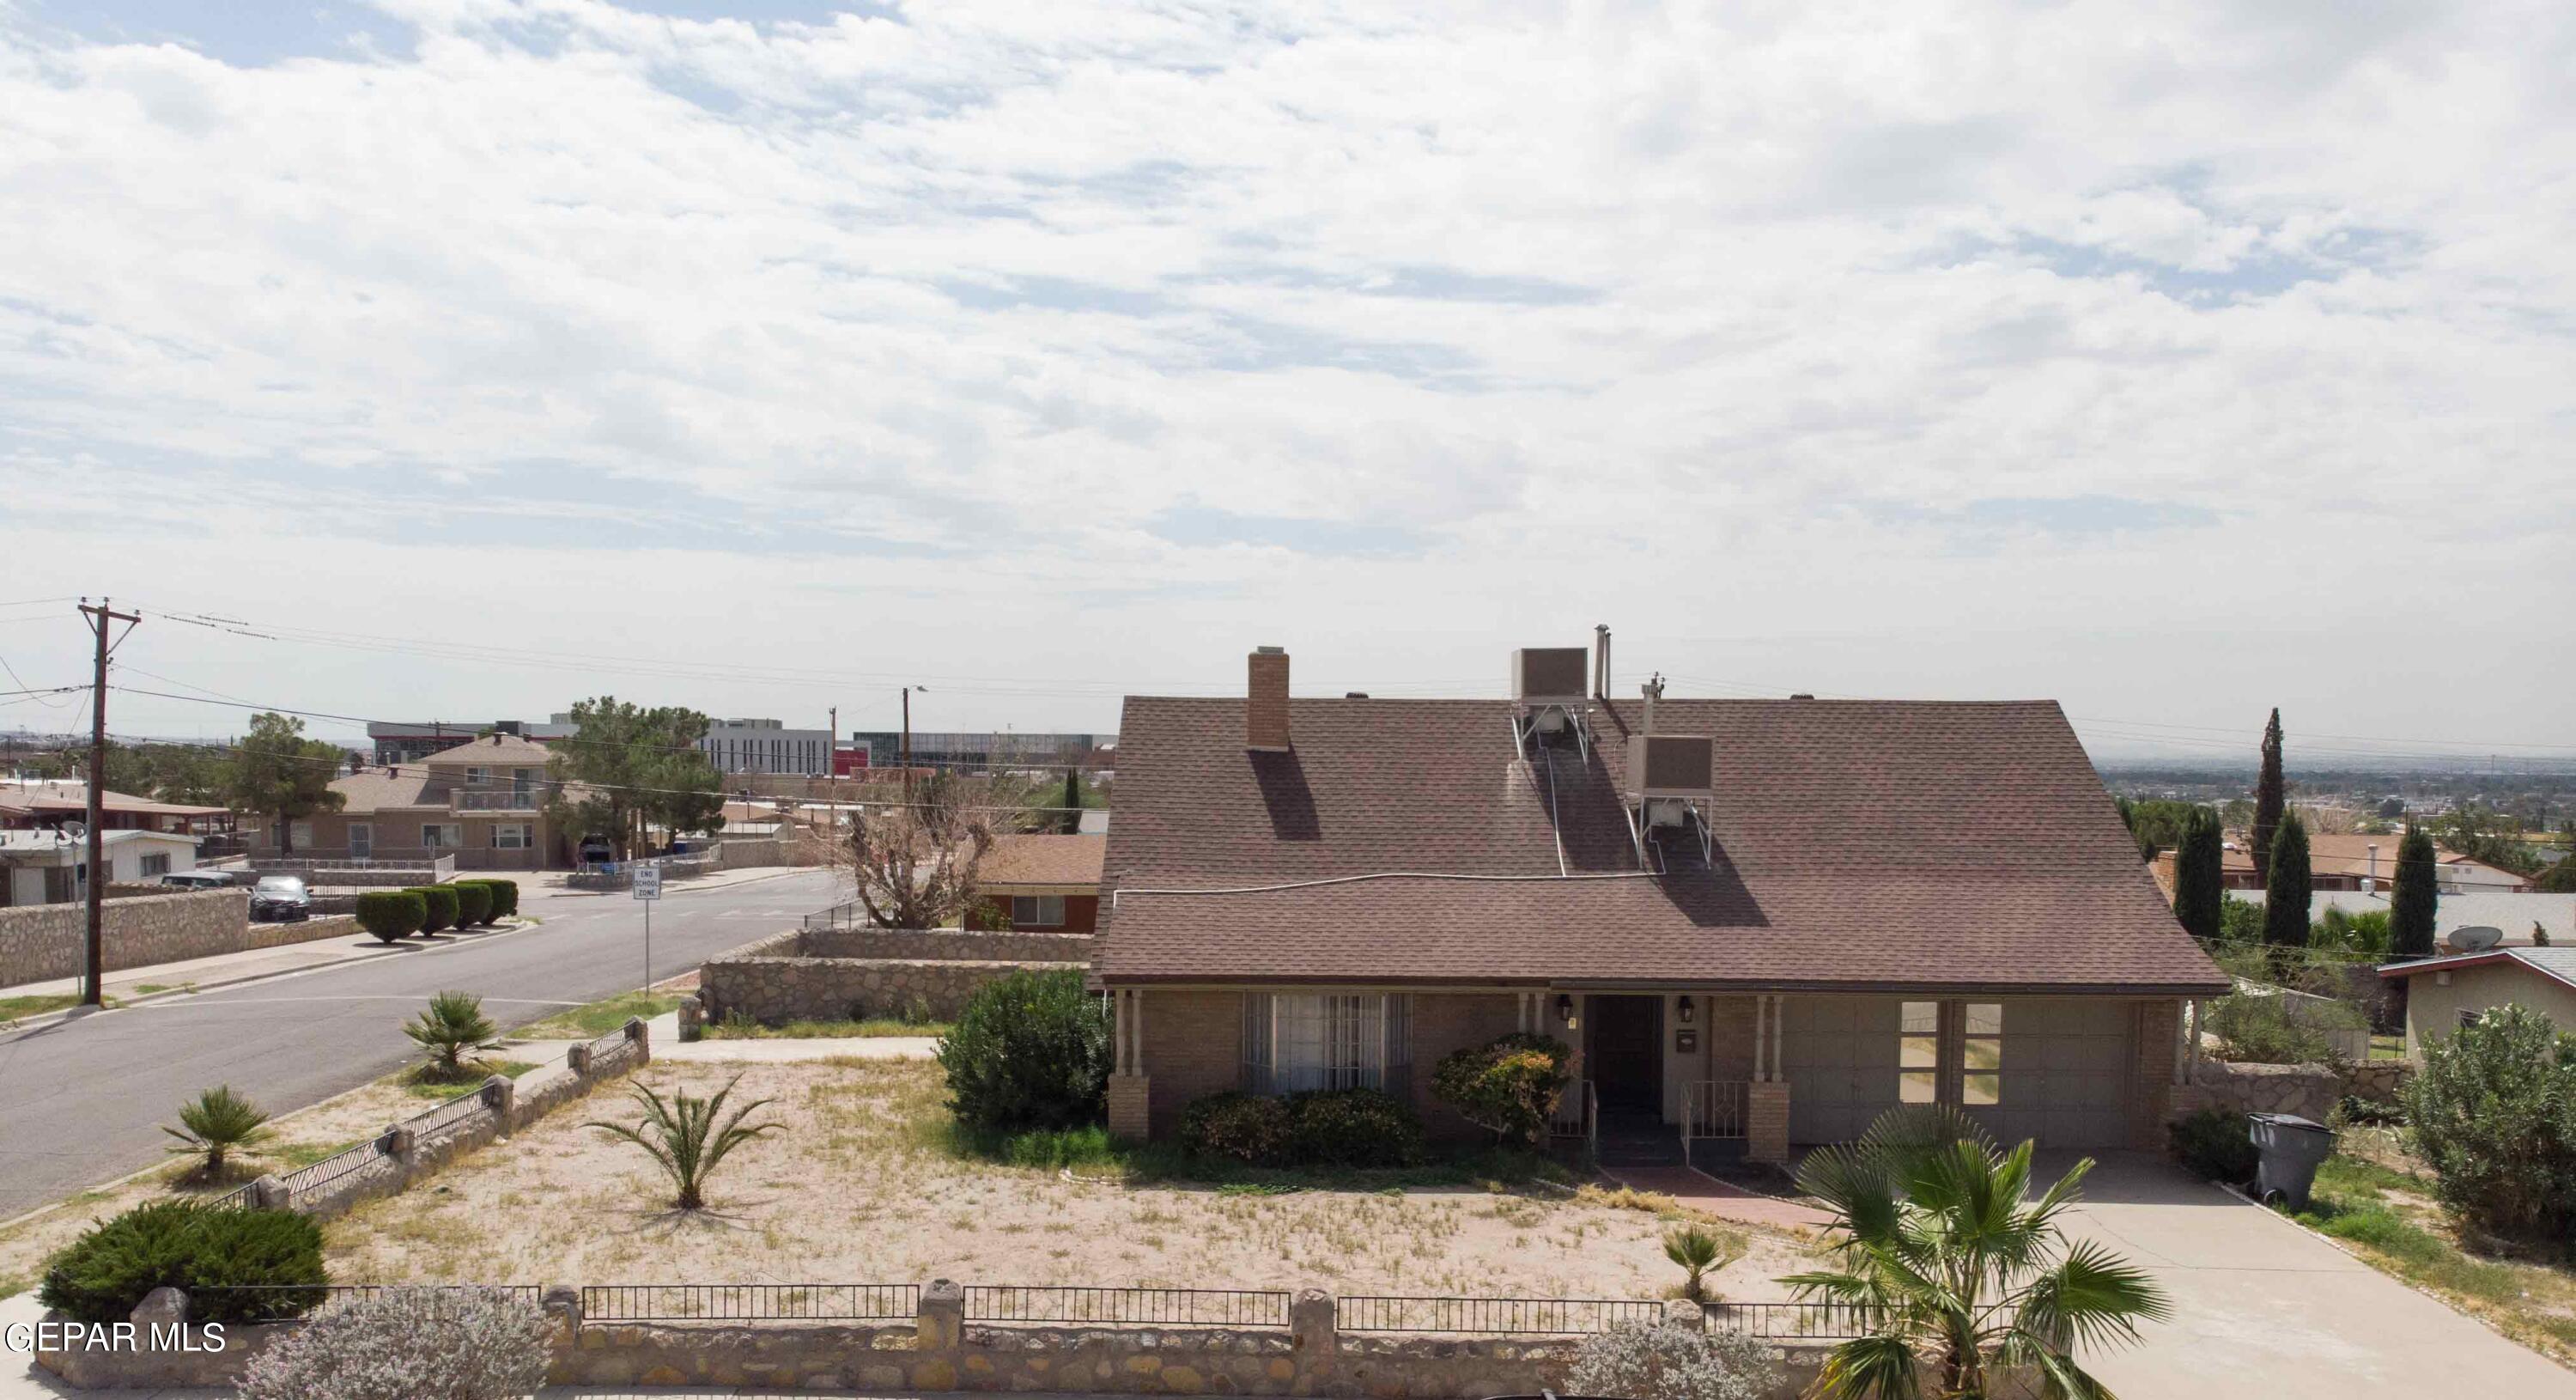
(1684, 1010)
(1565, 1008)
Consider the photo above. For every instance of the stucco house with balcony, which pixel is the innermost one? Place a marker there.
(1757, 923)
(481, 802)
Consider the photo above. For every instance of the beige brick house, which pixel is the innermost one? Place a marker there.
(1768, 925)
(481, 802)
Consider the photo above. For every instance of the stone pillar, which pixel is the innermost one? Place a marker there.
(2156, 1056)
(1314, 1326)
(562, 1305)
(269, 1193)
(693, 1018)
(642, 1036)
(1682, 1312)
(1131, 1099)
(577, 1059)
(1766, 1122)
(942, 1321)
(501, 1096)
(397, 1142)
(162, 1307)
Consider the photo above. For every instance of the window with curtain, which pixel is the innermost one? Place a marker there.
(1298, 1041)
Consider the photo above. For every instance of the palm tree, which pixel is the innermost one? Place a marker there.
(453, 1028)
(1698, 1253)
(1940, 1253)
(218, 1122)
(685, 1138)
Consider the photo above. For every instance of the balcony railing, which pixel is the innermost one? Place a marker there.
(495, 800)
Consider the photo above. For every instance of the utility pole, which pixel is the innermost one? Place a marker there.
(93, 985)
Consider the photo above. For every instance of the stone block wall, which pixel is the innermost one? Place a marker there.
(944, 943)
(2379, 1081)
(738, 853)
(774, 990)
(42, 942)
(2310, 1091)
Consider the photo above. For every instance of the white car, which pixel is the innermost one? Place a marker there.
(198, 880)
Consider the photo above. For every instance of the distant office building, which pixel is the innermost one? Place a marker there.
(976, 751)
(766, 746)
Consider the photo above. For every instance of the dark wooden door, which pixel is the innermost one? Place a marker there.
(1628, 1054)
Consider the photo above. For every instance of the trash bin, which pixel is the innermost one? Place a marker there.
(2291, 1148)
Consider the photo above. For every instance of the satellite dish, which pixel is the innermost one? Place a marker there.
(2474, 938)
(76, 830)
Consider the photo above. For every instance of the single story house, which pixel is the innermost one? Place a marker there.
(2445, 993)
(29, 804)
(1764, 922)
(48, 867)
(1044, 883)
(482, 802)
(2536, 917)
(2359, 861)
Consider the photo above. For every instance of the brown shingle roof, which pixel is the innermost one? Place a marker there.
(494, 750)
(1043, 861)
(1860, 843)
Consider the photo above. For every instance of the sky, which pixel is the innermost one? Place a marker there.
(466, 357)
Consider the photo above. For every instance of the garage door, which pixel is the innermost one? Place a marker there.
(2063, 1076)
(1840, 1057)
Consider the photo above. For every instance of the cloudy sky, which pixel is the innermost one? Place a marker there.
(768, 355)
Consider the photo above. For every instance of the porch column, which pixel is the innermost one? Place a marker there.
(1766, 1100)
(1130, 1088)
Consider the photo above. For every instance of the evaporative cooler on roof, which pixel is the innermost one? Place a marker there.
(1548, 689)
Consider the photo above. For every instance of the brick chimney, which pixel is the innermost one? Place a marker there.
(1265, 705)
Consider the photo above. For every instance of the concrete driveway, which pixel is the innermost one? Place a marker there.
(2266, 1311)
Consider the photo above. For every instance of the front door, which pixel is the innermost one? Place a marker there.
(1628, 1054)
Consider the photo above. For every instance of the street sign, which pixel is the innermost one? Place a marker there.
(648, 880)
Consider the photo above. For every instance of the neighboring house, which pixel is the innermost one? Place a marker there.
(2522, 918)
(2364, 862)
(1046, 884)
(1788, 917)
(32, 804)
(483, 802)
(48, 867)
(766, 746)
(397, 744)
(2443, 994)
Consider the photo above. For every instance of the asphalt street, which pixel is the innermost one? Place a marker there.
(82, 1101)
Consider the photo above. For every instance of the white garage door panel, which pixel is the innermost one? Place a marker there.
(1840, 1057)
(2064, 1071)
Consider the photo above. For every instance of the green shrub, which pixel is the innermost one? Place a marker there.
(505, 897)
(392, 915)
(2494, 1115)
(1352, 1128)
(1241, 1127)
(2278, 1029)
(473, 903)
(441, 902)
(1508, 1085)
(1030, 1050)
(101, 1276)
(2216, 1145)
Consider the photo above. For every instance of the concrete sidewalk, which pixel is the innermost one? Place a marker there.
(667, 1045)
(1702, 1192)
(226, 969)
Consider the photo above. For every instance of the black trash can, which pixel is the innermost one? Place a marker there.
(2291, 1148)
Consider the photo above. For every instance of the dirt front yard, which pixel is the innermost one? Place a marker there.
(863, 1187)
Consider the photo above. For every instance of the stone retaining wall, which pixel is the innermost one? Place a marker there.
(312, 930)
(42, 942)
(944, 944)
(776, 990)
(2379, 1081)
(2310, 1091)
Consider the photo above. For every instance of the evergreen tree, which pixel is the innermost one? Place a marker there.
(1072, 803)
(279, 773)
(2412, 897)
(2270, 796)
(627, 767)
(2285, 895)
(2198, 891)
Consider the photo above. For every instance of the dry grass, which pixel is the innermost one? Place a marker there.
(863, 1187)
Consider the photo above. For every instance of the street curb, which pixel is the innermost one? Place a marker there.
(53, 1018)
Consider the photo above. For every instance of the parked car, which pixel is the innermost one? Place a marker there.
(198, 880)
(280, 899)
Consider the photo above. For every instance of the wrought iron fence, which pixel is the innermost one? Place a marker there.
(455, 1110)
(271, 1302)
(241, 1197)
(1388, 1313)
(307, 1180)
(748, 1302)
(1179, 1307)
(838, 916)
(1822, 1321)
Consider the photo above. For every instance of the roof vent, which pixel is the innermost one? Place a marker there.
(2474, 938)
(1804, 695)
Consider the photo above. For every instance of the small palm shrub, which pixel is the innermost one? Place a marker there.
(473, 903)
(2494, 1115)
(218, 1123)
(1701, 1252)
(451, 1031)
(411, 1344)
(688, 1137)
(104, 1274)
(392, 915)
(441, 907)
(1030, 1050)
(2215, 1145)
(1665, 1362)
(1508, 1085)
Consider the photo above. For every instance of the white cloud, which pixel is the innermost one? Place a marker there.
(1196, 321)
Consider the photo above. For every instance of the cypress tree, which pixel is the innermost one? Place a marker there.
(2198, 892)
(1072, 803)
(2412, 897)
(2285, 895)
(2270, 797)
